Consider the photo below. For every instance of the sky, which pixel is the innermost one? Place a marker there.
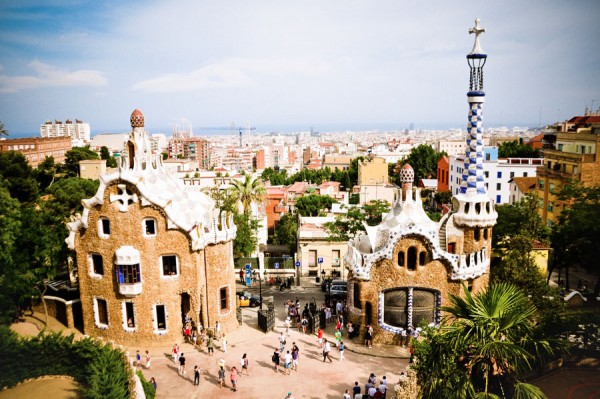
(294, 64)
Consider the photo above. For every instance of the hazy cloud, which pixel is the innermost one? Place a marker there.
(230, 73)
(46, 75)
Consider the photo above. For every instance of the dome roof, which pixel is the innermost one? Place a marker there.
(137, 118)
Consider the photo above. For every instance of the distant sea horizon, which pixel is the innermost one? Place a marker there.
(297, 128)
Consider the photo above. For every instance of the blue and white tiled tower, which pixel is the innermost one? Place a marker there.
(473, 206)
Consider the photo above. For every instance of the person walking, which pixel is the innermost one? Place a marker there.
(148, 361)
(341, 348)
(138, 358)
(281, 342)
(245, 364)
(320, 337)
(295, 358)
(221, 376)
(218, 330)
(346, 395)
(275, 359)
(326, 350)
(175, 353)
(304, 324)
(287, 360)
(196, 376)
(210, 345)
(233, 376)
(224, 344)
(182, 364)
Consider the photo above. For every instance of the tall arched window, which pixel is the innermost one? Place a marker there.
(422, 258)
(411, 261)
(401, 258)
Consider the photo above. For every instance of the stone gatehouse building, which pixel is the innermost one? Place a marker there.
(149, 253)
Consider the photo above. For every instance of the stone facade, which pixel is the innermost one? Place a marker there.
(150, 253)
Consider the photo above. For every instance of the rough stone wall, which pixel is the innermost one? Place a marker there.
(220, 272)
(386, 274)
(127, 229)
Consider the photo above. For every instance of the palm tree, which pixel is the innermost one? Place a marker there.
(3, 131)
(485, 344)
(248, 191)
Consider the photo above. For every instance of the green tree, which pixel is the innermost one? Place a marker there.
(443, 197)
(374, 211)
(285, 232)
(224, 199)
(313, 205)
(73, 156)
(348, 225)
(45, 172)
(277, 178)
(3, 131)
(10, 225)
(575, 236)
(423, 159)
(111, 161)
(521, 219)
(516, 149)
(247, 191)
(245, 239)
(484, 347)
(17, 172)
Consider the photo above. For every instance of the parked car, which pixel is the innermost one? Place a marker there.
(245, 299)
(338, 289)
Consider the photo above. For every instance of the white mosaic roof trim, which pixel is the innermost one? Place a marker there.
(191, 211)
(407, 219)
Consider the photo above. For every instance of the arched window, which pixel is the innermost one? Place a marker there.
(422, 258)
(401, 258)
(485, 234)
(411, 260)
(477, 234)
(131, 153)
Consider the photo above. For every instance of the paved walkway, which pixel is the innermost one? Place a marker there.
(314, 378)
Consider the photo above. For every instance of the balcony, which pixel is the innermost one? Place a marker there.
(556, 174)
(130, 289)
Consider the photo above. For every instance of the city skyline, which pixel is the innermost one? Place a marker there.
(306, 64)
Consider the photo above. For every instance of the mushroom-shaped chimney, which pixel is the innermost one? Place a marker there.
(407, 177)
(137, 119)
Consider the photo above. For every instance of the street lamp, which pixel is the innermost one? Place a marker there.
(257, 273)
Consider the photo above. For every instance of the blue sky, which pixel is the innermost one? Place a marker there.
(296, 63)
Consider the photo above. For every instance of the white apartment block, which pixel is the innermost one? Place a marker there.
(451, 147)
(79, 132)
(497, 174)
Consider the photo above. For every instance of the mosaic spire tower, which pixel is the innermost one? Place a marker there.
(473, 206)
(472, 178)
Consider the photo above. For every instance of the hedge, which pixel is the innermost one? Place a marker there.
(101, 370)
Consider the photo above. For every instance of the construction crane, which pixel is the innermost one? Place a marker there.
(232, 128)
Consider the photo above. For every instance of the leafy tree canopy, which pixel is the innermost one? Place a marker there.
(423, 159)
(350, 224)
(521, 219)
(73, 156)
(285, 232)
(516, 149)
(575, 236)
(245, 239)
(111, 161)
(313, 205)
(17, 172)
(484, 347)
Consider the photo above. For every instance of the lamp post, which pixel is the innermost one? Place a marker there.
(259, 287)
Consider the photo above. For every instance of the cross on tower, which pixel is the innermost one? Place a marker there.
(478, 30)
(123, 197)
